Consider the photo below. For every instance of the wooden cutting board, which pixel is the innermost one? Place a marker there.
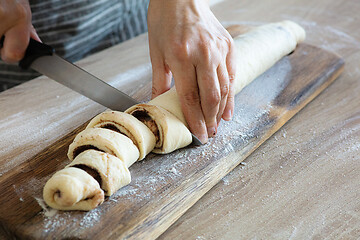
(163, 187)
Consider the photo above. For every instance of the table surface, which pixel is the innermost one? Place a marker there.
(304, 182)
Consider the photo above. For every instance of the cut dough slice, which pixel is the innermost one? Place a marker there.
(257, 50)
(128, 125)
(104, 140)
(72, 189)
(113, 174)
(169, 131)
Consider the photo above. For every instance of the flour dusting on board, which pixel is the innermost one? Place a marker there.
(48, 211)
(65, 219)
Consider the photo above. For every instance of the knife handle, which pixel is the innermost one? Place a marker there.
(34, 50)
(2, 41)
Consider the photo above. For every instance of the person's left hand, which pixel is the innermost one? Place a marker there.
(188, 42)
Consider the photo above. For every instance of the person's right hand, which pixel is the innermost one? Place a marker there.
(187, 42)
(16, 26)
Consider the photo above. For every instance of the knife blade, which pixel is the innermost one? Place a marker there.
(42, 58)
(83, 82)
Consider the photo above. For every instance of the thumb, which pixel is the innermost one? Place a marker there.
(161, 76)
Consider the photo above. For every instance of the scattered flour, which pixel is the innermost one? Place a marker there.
(91, 218)
(174, 171)
(48, 211)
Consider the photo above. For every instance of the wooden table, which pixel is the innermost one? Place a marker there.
(302, 183)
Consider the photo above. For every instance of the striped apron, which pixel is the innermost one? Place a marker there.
(77, 28)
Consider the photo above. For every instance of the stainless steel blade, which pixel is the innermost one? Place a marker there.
(83, 82)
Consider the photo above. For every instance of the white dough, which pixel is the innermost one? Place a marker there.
(170, 102)
(171, 133)
(256, 51)
(72, 189)
(262, 47)
(108, 141)
(128, 125)
(113, 172)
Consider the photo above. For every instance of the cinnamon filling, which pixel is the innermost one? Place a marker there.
(144, 117)
(83, 148)
(113, 127)
(92, 172)
(58, 193)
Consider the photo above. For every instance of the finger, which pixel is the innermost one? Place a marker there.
(231, 68)
(210, 96)
(3, 28)
(230, 103)
(161, 75)
(188, 92)
(15, 44)
(223, 77)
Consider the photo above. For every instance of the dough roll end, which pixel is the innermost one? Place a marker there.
(72, 189)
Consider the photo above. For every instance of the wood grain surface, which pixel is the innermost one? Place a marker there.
(163, 187)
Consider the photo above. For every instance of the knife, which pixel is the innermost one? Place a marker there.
(42, 58)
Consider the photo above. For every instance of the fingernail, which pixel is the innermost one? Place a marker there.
(227, 116)
(211, 131)
(203, 139)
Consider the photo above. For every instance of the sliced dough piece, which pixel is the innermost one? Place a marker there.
(128, 125)
(113, 172)
(169, 131)
(104, 140)
(72, 189)
(257, 50)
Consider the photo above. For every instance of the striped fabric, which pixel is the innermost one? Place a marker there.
(77, 28)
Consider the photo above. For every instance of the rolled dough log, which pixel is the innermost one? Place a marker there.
(72, 189)
(107, 141)
(113, 174)
(128, 125)
(257, 50)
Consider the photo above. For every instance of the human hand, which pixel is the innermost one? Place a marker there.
(187, 42)
(15, 25)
